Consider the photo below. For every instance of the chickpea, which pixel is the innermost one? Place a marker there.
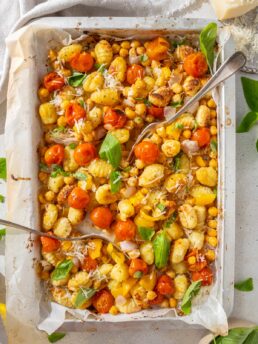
(212, 241)
(177, 88)
(213, 113)
(213, 163)
(149, 119)
(213, 211)
(212, 223)
(211, 104)
(43, 176)
(115, 48)
(132, 52)
(161, 132)
(187, 134)
(125, 44)
(135, 44)
(213, 130)
(43, 94)
(123, 52)
(210, 255)
(49, 195)
(212, 232)
(172, 302)
(177, 98)
(41, 198)
(130, 113)
(61, 121)
(140, 109)
(138, 121)
(140, 50)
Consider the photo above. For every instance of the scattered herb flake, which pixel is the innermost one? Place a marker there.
(2, 168)
(80, 175)
(171, 219)
(161, 207)
(72, 145)
(214, 145)
(144, 58)
(138, 274)
(43, 167)
(177, 162)
(245, 285)
(55, 337)
(175, 44)
(82, 103)
(58, 170)
(176, 104)
(179, 126)
(127, 169)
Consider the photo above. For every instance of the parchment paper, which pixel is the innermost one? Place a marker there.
(25, 294)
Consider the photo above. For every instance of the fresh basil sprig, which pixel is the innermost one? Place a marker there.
(55, 337)
(245, 285)
(207, 42)
(115, 181)
(161, 245)
(76, 79)
(84, 295)
(80, 175)
(62, 270)
(239, 335)
(192, 291)
(110, 150)
(146, 233)
(2, 168)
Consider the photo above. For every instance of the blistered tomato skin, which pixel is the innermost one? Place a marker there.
(115, 119)
(54, 155)
(156, 112)
(101, 217)
(202, 136)
(125, 230)
(53, 81)
(82, 62)
(205, 275)
(84, 153)
(103, 301)
(195, 65)
(133, 73)
(165, 285)
(78, 198)
(73, 113)
(136, 265)
(147, 151)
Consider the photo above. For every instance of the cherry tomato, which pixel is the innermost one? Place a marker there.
(200, 260)
(74, 112)
(103, 301)
(117, 120)
(83, 62)
(156, 112)
(205, 275)
(78, 198)
(54, 155)
(158, 299)
(133, 73)
(84, 153)
(125, 230)
(101, 217)
(165, 285)
(137, 264)
(147, 151)
(202, 136)
(195, 64)
(157, 49)
(53, 81)
(49, 244)
(89, 264)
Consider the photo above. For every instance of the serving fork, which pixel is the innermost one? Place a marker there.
(227, 69)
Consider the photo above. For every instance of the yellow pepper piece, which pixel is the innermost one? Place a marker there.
(127, 286)
(3, 311)
(148, 282)
(95, 248)
(143, 222)
(118, 257)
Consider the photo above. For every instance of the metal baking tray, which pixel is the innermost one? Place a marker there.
(147, 28)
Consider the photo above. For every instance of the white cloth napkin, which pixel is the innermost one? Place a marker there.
(20, 12)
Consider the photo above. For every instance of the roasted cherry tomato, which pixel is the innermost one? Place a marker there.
(101, 217)
(103, 301)
(195, 64)
(156, 112)
(165, 285)
(112, 117)
(200, 261)
(78, 198)
(147, 151)
(158, 299)
(125, 230)
(136, 265)
(54, 155)
(83, 62)
(84, 153)
(134, 72)
(202, 136)
(49, 244)
(89, 264)
(157, 49)
(205, 275)
(74, 112)
(53, 81)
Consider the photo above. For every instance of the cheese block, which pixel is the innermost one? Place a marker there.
(226, 9)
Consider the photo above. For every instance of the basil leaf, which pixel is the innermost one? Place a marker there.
(62, 270)
(144, 58)
(213, 146)
(2, 168)
(146, 233)
(76, 79)
(207, 42)
(58, 170)
(177, 104)
(246, 285)
(2, 233)
(147, 102)
(72, 145)
(250, 88)
(83, 295)
(192, 291)
(179, 126)
(80, 176)
(247, 122)
(239, 335)
(115, 181)
(161, 207)
(100, 67)
(110, 150)
(43, 167)
(55, 337)
(2, 198)
(171, 220)
(161, 245)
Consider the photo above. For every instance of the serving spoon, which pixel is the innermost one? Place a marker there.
(228, 68)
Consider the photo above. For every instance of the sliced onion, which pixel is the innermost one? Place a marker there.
(189, 147)
(175, 79)
(76, 261)
(193, 108)
(120, 300)
(129, 191)
(129, 102)
(134, 253)
(169, 111)
(134, 59)
(100, 132)
(127, 246)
